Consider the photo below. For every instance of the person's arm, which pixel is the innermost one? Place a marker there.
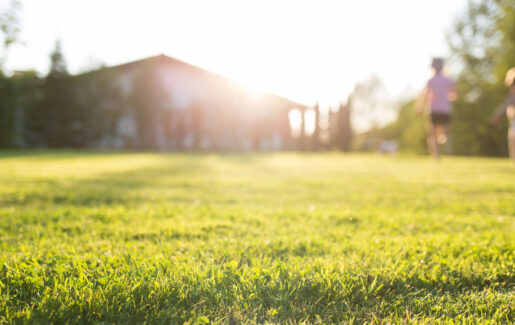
(500, 111)
(421, 102)
(497, 114)
(453, 93)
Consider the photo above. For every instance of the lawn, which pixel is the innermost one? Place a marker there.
(91, 237)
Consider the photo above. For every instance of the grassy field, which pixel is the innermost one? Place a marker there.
(91, 237)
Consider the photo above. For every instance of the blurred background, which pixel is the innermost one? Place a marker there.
(249, 75)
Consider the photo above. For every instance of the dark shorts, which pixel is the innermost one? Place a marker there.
(440, 118)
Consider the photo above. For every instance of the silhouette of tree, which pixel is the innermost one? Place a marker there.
(345, 127)
(369, 101)
(53, 120)
(482, 42)
(20, 94)
(316, 144)
(58, 68)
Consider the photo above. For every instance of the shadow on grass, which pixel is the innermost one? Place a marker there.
(127, 187)
(60, 153)
(175, 172)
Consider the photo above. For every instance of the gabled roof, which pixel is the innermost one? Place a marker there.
(164, 59)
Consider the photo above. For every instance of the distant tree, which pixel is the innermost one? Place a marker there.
(6, 111)
(482, 42)
(9, 27)
(52, 121)
(58, 67)
(344, 140)
(408, 129)
(20, 94)
(369, 101)
(316, 144)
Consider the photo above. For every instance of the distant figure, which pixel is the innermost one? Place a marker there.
(436, 101)
(508, 107)
(388, 147)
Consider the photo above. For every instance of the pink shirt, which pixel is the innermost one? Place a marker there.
(439, 88)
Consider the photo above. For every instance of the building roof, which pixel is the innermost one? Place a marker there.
(164, 59)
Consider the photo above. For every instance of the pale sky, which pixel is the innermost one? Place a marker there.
(306, 51)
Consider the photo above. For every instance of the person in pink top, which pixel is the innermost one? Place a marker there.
(508, 108)
(437, 100)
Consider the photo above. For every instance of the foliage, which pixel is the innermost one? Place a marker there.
(483, 42)
(13, 108)
(58, 67)
(46, 122)
(369, 101)
(409, 129)
(344, 128)
(9, 27)
(285, 238)
(68, 114)
(20, 94)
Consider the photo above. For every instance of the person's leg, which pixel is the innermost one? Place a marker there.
(441, 137)
(511, 143)
(440, 133)
(432, 144)
(446, 129)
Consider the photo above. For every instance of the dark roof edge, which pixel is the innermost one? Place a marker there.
(166, 57)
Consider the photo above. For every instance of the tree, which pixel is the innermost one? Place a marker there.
(52, 121)
(58, 68)
(20, 94)
(367, 105)
(9, 27)
(369, 101)
(315, 143)
(344, 126)
(483, 42)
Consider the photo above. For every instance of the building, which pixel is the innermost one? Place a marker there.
(166, 104)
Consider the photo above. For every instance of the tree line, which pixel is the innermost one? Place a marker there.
(45, 112)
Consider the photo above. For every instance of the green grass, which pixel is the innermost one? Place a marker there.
(89, 237)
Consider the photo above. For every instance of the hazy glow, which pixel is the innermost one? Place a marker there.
(309, 121)
(295, 118)
(306, 51)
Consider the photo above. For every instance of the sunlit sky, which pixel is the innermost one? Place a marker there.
(306, 51)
